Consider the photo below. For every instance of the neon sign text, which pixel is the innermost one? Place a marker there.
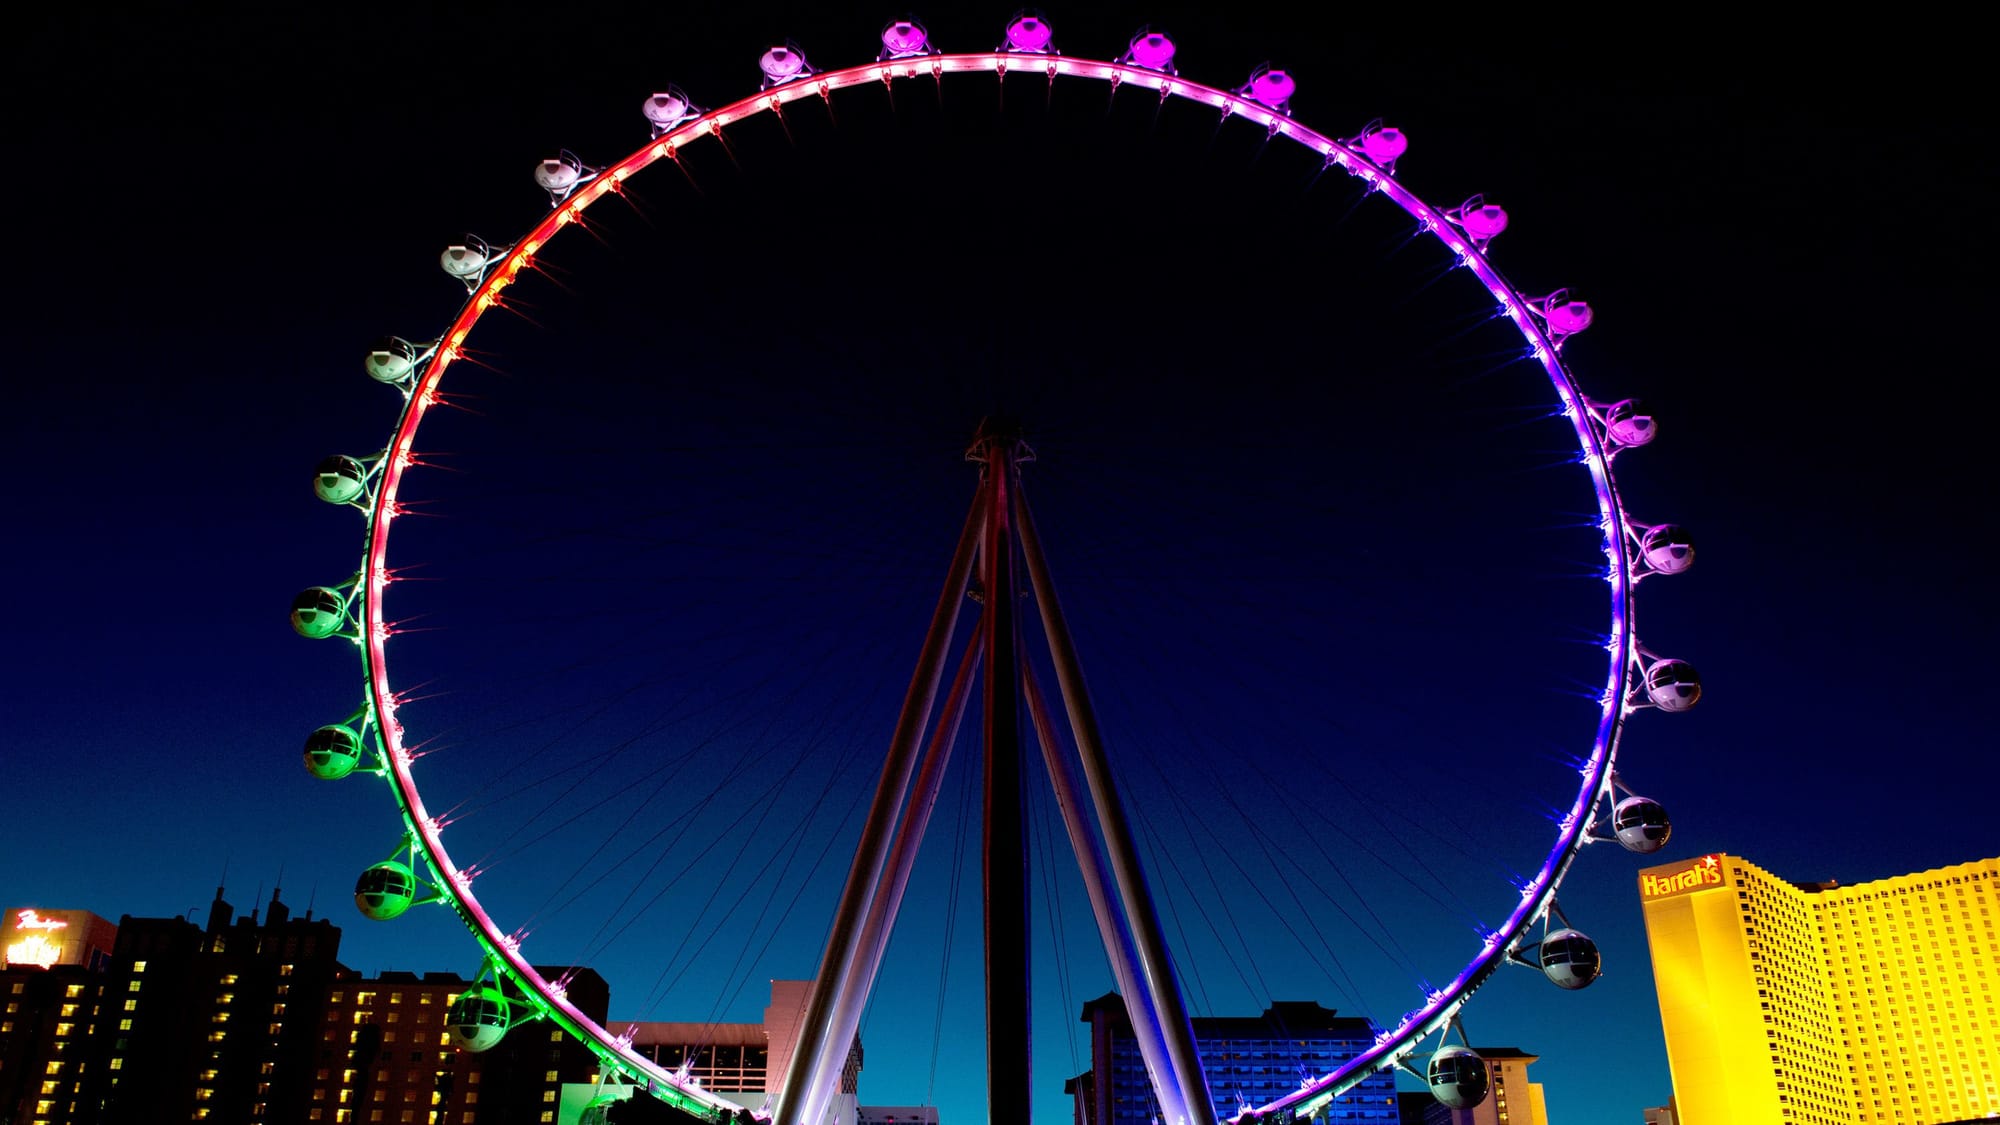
(1707, 873)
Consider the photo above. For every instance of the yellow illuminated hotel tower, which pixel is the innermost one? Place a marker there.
(1819, 1004)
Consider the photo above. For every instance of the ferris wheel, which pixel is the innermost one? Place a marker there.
(999, 562)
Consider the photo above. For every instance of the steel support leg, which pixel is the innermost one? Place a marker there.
(865, 875)
(1004, 854)
(881, 920)
(1155, 967)
(1111, 928)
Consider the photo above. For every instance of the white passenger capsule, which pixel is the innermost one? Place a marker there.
(467, 259)
(1641, 824)
(1570, 959)
(1673, 685)
(559, 175)
(1457, 1077)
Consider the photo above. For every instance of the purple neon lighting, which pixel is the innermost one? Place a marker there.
(1368, 158)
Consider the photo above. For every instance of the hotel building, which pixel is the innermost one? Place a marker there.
(1824, 1004)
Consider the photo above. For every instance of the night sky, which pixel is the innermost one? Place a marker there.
(1329, 573)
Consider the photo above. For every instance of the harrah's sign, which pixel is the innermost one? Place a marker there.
(1706, 872)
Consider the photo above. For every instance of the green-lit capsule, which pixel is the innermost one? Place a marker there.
(319, 611)
(392, 360)
(478, 1020)
(340, 480)
(385, 890)
(332, 752)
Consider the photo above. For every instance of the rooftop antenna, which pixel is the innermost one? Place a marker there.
(310, 897)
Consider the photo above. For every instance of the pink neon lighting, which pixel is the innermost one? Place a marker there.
(1029, 35)
(1369, 158)
(904, 38)
(1383, 146)
(1272, 88)
(1152, 51)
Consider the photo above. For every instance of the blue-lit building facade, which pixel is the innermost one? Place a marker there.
(1250, 1060)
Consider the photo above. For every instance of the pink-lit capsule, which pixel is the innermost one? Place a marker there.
(904, 38)
(1566, 318)
(1668, 548)
(1272, 88)
(1151, 50)
(1480, 220)
(1384, 145)
(1628, 423)
(781, 65)
(1028, 33)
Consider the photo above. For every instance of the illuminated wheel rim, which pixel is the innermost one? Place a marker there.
(1262, 103)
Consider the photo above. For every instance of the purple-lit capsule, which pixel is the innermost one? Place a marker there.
(1672, 685)
(668, 109)
(1480, 220)
(1627, 423)
(1384, 145)
(559, 175)
(1272, 88)
(1028, 33)
(782, 64)
(1151, 50)
(904, 38)
(1668, 549)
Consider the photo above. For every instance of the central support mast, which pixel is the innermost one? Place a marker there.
(1004, 854)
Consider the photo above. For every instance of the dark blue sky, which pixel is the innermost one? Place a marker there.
(1311, 536)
